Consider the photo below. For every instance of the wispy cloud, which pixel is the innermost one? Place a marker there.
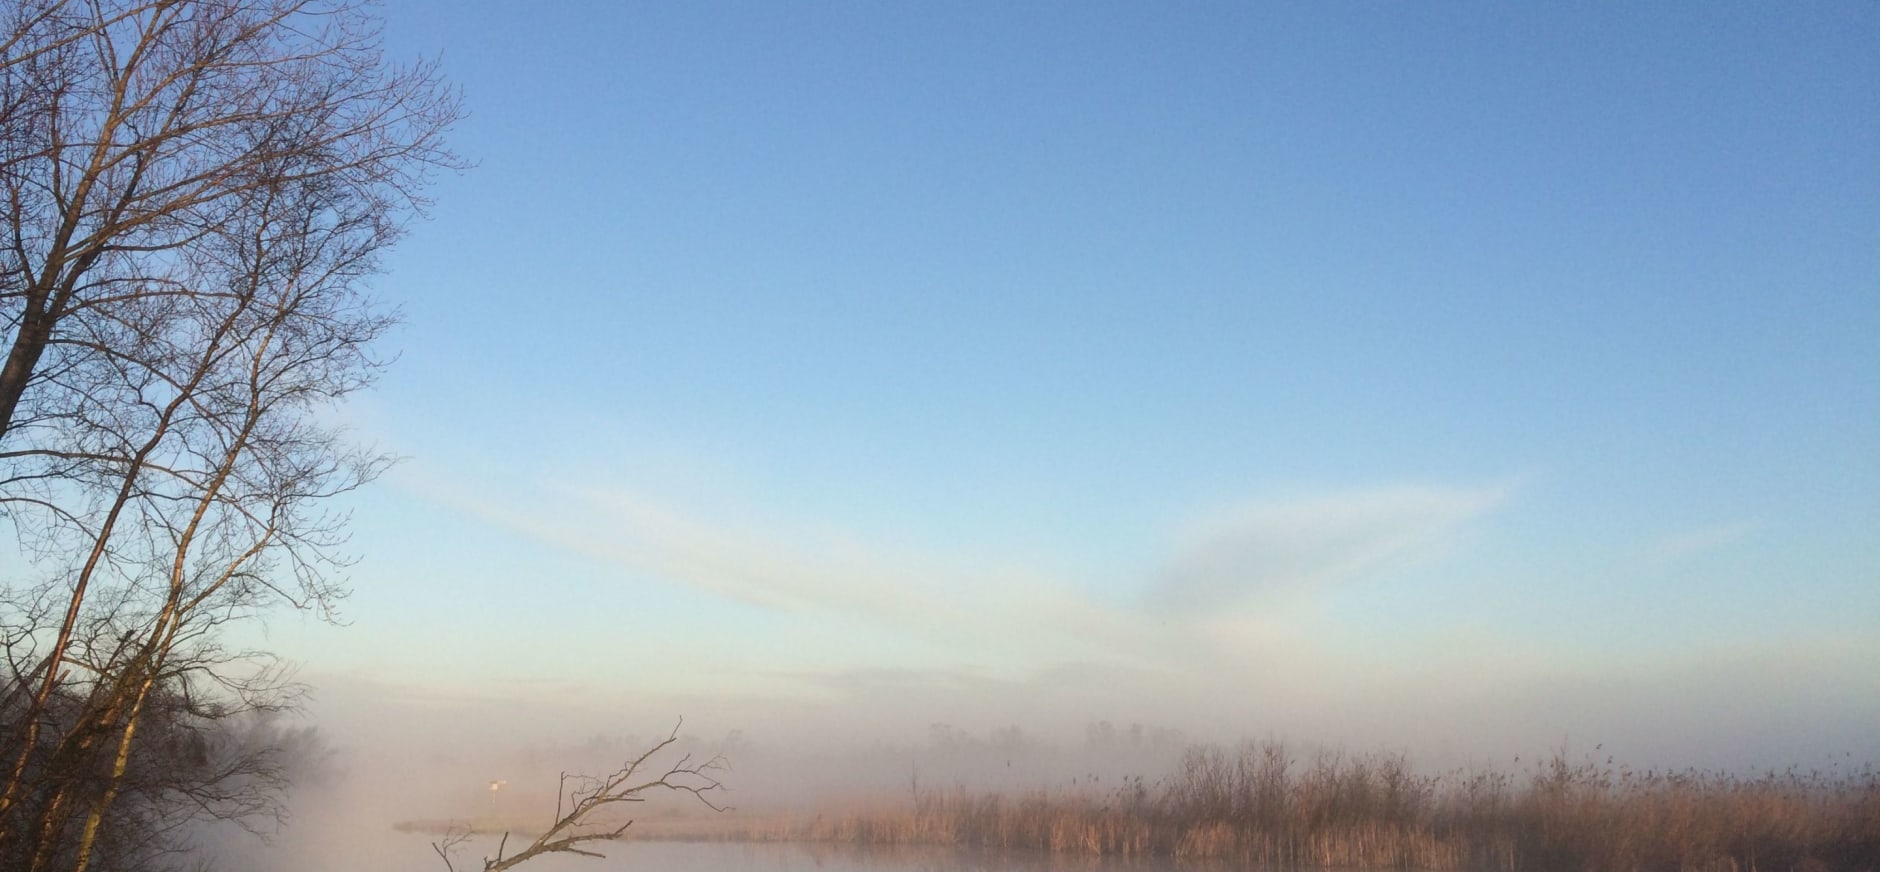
(809, 571)
(1270, 552)
(1012, 618)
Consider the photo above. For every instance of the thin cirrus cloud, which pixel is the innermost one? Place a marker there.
(793, 570)
(1267, 553)
(776, 570)
(1232, 563)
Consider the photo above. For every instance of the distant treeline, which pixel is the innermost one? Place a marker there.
(1262, 805)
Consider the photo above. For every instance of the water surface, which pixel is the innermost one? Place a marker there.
(772, 857)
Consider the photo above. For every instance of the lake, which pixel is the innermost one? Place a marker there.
(790, 857)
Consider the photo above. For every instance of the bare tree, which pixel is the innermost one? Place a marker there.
(195, 192)
(583, 804)
(202, 503)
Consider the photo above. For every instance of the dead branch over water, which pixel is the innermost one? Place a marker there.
(583, 801)
(1265, 807)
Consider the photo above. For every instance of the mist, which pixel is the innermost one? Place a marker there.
(429, 755)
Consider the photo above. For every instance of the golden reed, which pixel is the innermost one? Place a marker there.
(1260, 806)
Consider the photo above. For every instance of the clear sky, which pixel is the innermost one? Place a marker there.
(1438, 375)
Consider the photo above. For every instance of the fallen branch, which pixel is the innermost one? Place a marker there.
(580, 797)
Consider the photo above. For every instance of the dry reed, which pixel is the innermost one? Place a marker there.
(1262, 807)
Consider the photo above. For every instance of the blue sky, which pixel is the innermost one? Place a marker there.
(1242, 367)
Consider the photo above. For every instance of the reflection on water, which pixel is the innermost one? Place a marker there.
(773, 857)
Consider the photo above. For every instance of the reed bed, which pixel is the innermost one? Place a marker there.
(1261, 806)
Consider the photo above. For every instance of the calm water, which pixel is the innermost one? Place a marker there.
(735, 857)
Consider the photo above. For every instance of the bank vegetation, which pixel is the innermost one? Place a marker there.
(1264, 805)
